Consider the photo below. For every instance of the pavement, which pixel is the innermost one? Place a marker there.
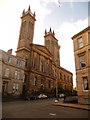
(78, 106)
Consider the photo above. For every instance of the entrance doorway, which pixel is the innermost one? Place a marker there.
(5, 88)
(24, 90)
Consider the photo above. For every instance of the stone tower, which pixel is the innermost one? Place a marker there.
(26, 33)
(25, 39)
(51, 44)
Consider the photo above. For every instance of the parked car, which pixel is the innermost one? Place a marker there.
(42, 96)
(62, 95)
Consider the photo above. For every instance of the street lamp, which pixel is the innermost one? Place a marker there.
(56, 88)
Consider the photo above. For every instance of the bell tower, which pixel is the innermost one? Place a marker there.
(51, 44)
(26, 31)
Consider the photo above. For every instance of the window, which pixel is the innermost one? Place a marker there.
(42, 67)
(89, 37)
(26, 63)
(49, 84)
(60, 76)
(15, 87)
(67, 78)
(17, 75)
(56, 43)
(22, 35)
(35, 81)
(52, 43)
(18, 62)
(64, 78)
(54, 72)
(25, 78)
(9, 59)
(71, 80)
(7, 72)
(80, 42)
(41, 81)
(82, 61)
(30, 30)
(35, 63)
(85, 83)
(47, 42)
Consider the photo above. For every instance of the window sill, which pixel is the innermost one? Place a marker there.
(86, 90)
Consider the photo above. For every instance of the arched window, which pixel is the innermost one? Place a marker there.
(22, 35)
(85, 83)
(35, 81)
(64, 78)
(61, 76)
(9, 59)
(7, 72)
(25, 78)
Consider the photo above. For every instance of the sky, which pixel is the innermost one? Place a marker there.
(65, 17)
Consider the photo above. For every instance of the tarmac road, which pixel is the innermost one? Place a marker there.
(40, 109)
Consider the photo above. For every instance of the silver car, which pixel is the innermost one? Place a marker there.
(42, 96)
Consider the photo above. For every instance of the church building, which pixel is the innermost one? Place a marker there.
(43, 61)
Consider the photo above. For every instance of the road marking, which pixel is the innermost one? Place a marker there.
(53, 114)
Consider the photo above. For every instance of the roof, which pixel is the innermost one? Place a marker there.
(18, 57)
(42, 48)
(66, 70)
(86, 29)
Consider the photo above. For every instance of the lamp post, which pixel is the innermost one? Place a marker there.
(56, 88)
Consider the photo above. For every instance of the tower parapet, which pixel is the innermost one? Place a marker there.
(50, 32)
(28, 12)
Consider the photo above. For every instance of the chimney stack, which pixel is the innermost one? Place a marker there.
(10, 51)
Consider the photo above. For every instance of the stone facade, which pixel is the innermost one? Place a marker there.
(43, 61)
(81, 42)
(13, 68)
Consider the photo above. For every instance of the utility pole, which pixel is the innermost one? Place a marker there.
(56, 88)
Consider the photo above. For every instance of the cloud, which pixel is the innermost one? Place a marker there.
(75, 0)
(64, 34)
(41, 13)
(68, 29)
(10, 13)
(71, 4)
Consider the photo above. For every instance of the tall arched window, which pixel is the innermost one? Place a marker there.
(61, 76)
(41, 66)
(22, 35)
(64, 78)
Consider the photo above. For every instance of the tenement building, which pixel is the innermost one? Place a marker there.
(81, 42)
(42, 70)
(13, 68)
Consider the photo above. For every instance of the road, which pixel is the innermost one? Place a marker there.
(40, 109)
